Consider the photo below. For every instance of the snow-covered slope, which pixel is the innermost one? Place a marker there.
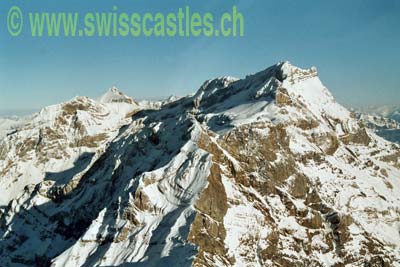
(264, 171)
(113, 95)
(383, 126)
(51, 141)
(10, 124)
(395, 115)
(390, 112)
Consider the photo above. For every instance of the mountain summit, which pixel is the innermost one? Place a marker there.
(113, 95)
(268, 170)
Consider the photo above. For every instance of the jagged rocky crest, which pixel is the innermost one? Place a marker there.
(264, 171)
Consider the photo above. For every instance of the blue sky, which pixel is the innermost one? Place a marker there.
(354, 44)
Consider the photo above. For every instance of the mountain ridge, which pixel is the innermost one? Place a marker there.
(263, 171)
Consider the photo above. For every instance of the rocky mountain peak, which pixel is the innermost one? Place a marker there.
(289, 71)
(114, 95)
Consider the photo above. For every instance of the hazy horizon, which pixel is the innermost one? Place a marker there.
(355, 50)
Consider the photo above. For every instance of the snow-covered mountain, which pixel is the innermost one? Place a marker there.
(390, 112)
(113, 95)
(383, 126)
(395, 115)
(268, 170)
(56, 137)
(10, 123)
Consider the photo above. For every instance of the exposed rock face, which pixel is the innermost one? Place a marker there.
(264, 171)
(68, 135)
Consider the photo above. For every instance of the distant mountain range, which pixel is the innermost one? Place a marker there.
(384, 121)
(390, 112)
